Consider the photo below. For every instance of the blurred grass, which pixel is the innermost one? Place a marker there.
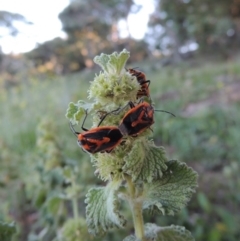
(205, 133)
(22, 109)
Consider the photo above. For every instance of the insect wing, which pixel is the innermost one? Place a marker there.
(100, 139)
(137, 119)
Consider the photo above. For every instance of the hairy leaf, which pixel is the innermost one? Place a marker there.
(171, 193)
(145, 162)
(6, 231)
(156, 233)
(131, 238)
(170, 233)
(114, 63)
(74, 230)
(76, 112)
(102, 211)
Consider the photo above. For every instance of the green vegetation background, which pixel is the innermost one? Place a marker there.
(205, 97)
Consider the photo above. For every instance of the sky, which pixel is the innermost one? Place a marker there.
(46, 25)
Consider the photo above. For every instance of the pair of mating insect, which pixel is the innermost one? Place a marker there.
(106, 138)
(134, 122)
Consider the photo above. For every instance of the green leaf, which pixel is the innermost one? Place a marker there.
(145, 162)
(131, 238)
(54, 203)
(156, 233)
(113, 63)
(171, 193)
(102, 211)
(204, 202)
(75, 230)
(67, 173)
(6, 231)
(170, 233)
(40, 197)
(76, 112)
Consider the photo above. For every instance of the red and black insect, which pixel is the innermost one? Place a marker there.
(141, 78)
(137, 119)
(98, 139)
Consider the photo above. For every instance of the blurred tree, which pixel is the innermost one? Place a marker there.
(94, 16)
(56, 56)
(11, 65)
(92, 28)
(8, 21)
(213, 25)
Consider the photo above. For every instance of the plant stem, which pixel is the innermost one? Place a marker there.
(75, 207)
(136, 208)
(138, 220)
(75, 200)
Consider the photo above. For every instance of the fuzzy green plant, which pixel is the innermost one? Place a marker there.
(57, 194)
(136, 171)
(7, 230)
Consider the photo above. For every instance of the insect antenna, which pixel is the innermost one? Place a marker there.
(166, 112)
